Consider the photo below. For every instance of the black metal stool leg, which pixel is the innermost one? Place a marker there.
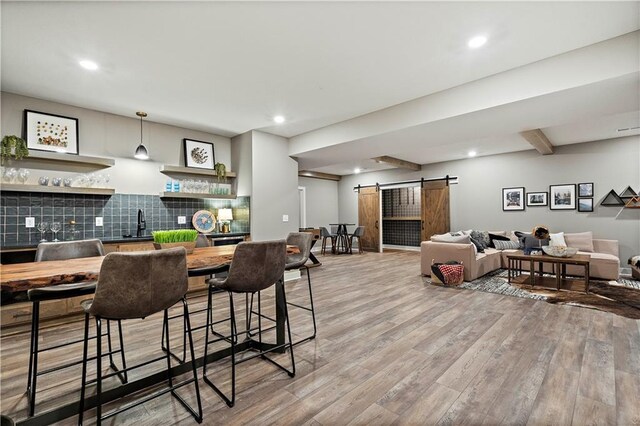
(33, 364)
(85, 356)
(197, 416)
(98, 370)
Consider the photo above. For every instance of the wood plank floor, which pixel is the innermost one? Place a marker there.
(390, 350)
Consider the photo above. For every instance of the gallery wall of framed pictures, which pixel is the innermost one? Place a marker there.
(568, 196)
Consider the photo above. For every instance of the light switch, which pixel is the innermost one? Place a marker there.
(99, 221)
(30, 222)
(285, 218)
(182, 220)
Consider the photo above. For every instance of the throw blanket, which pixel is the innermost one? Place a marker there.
(635, 261)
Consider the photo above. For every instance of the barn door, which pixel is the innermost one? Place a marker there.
(435, 209)
(369, 217)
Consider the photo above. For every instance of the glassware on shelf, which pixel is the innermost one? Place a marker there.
(67, 181)
(56, 181)
(43, 227)
(55, 228)
(43, 180)
(72, 232)
(9, 175)
(23, 175)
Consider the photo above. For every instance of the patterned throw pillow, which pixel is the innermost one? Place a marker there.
(481, 237)
(478, 244)
(494, 237)
(506, 245)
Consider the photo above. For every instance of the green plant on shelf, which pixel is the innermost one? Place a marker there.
(175, 236)
(221, 171)
(12, 147)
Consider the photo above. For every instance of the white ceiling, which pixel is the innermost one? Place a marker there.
(228, 67)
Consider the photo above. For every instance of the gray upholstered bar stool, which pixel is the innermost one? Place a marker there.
(357, 234)
(136, 285)
(325, 234)
(62, 251)
(296, 261)
(256, 266)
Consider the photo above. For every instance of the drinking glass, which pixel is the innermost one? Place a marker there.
(43, 227)
(23, 175)
(55, 228)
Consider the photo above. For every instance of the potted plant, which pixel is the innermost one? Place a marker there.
(221, 171)
(175, 238)
(11, 147)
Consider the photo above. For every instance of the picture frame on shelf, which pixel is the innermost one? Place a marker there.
(198, 154)
(562, 197)
(51, 132)
(537, 199)
(513, 199)
(585, 189)
(585, 205)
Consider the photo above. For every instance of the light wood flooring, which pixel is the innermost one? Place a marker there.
(392, 349)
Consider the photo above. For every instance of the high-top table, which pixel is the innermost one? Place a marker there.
(342, 243)
(24, 276)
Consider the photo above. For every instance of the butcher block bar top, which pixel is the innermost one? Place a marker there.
(24, 276)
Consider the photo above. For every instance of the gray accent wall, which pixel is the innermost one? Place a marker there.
(113, 136)
(322, 201)
(476, 200)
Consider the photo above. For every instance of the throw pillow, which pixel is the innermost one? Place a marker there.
(583, 241)
(529, 242)
(557, 239)
(479, 245)
(482, 237)
(496, 237)
(446, 238)
(506, 245)
(501, 233)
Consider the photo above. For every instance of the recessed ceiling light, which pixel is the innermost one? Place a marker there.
(472, 154)
(88, 65)
(278, 119)
(356, 170)
(476, 42)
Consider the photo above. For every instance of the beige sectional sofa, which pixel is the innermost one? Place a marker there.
(605, 261)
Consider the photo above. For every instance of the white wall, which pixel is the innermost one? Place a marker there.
(322, 201)
(476, 200)
(241, 162)
(113, 136)
(274, 191)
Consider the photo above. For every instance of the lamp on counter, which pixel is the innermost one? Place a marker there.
(224, 216)
(141, 151)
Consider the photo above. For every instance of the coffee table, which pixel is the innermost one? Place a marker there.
(559, 267)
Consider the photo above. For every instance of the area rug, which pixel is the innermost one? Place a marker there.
(621, 297)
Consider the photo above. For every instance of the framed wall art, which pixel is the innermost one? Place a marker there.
(562, 197)
(585, 204)
(585, 189)
(537, 199)
(198, 154)
(513, 199)
(51, 132)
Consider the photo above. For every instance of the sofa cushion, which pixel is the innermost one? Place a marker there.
(496, 237)
(448, 238)
(557, 239)
(503, 245)
(583, 241)
(482, 237)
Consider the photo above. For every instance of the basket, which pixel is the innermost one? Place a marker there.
(189, 246)
(449, 273)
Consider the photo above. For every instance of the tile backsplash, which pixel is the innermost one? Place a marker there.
(119, 213)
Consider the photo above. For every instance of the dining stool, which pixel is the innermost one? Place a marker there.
(325, 234)
(358, 233)
(136, 285)
(256, 266)
(297, 261)
(63, 251)
(208, 272)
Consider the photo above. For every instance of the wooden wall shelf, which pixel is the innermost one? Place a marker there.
(197, 196)
(192, 171)
(57, 157)
(10, 187)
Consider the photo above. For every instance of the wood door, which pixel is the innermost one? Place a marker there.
(369, 217)
(435, 209)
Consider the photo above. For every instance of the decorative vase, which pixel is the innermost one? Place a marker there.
(189, 246)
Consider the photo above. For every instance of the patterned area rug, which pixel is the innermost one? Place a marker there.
(621, 297)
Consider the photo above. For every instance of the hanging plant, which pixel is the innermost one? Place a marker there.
(221, 171)
(13, 147)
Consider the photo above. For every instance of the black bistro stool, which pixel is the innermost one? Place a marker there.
(303, 241)
(132, 286)
(63, 251)
(255, 266)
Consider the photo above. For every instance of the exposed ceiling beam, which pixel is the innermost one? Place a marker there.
(538, 140)
(402, 164)
(319, 175)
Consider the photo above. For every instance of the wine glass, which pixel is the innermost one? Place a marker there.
(43, 227)
(23, 175)
(55, 228)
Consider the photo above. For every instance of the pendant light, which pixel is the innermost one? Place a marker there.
(141, 150)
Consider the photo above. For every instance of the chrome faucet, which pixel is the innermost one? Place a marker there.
(142, 223)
